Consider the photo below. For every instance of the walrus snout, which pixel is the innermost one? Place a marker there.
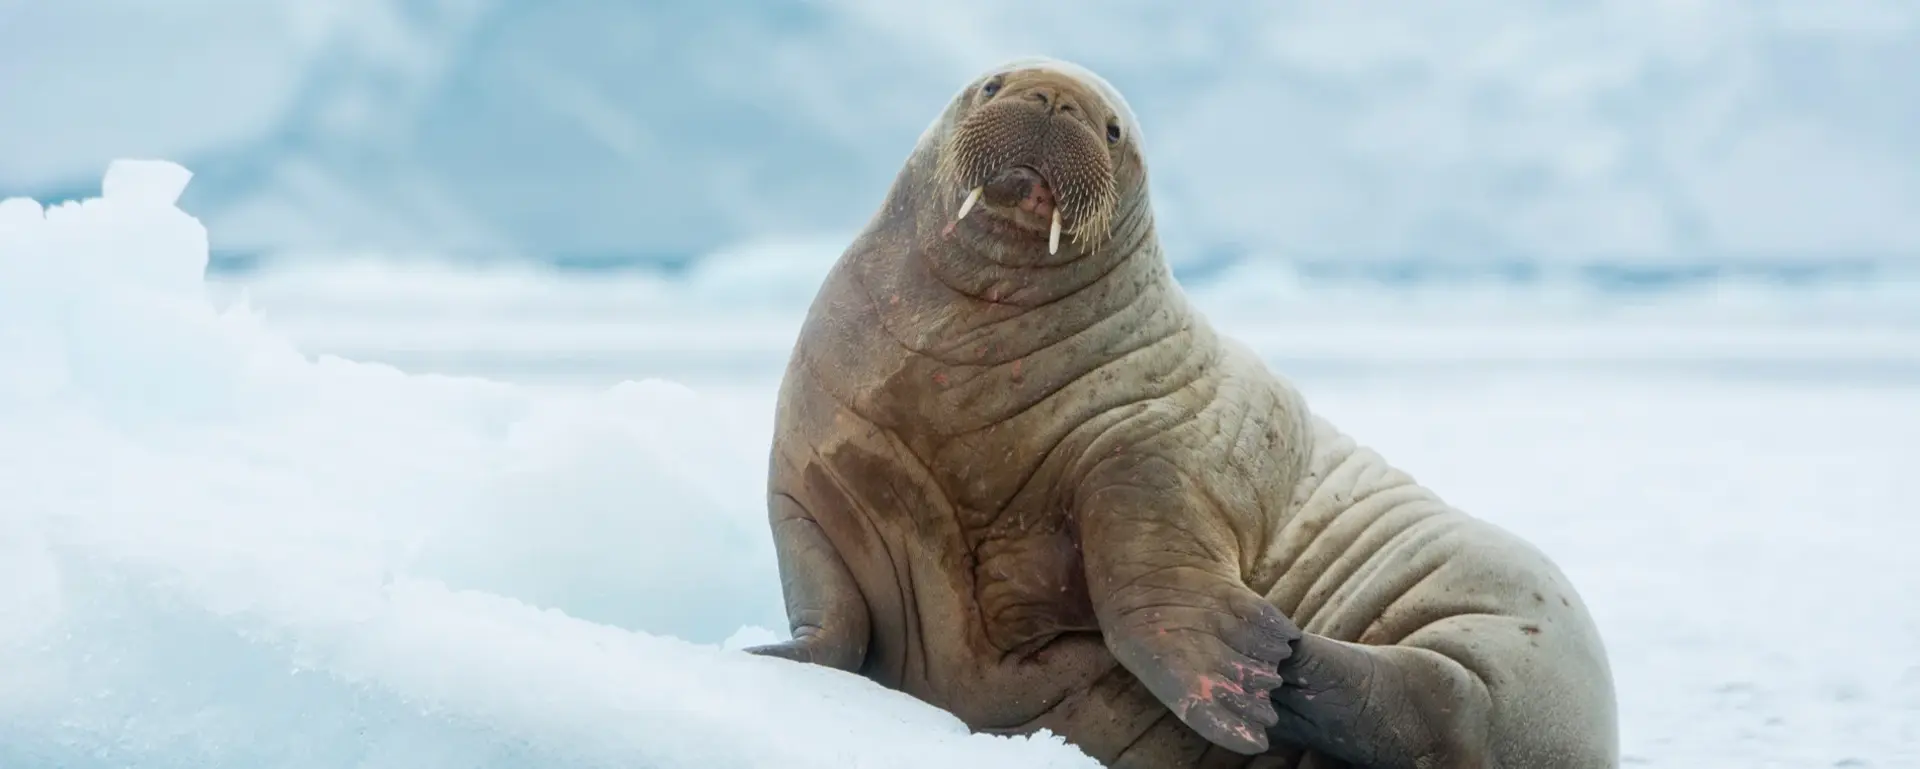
(1020, 187)
(1035, 150)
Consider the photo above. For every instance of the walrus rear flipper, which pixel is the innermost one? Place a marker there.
(825, 610)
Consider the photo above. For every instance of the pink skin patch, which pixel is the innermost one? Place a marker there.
(1210, 687)
(1245, 732)
(1248, 672)
(1039, 200)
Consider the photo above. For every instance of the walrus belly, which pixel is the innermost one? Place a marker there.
(988, 622)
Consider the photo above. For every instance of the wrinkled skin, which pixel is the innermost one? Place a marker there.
(1037, 490)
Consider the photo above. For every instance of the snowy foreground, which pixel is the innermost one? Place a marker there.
(215, 552)
(218, 549)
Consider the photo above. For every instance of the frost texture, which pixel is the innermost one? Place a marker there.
(216, 551)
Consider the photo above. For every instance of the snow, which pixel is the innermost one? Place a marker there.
(219, 551)
(222, 546)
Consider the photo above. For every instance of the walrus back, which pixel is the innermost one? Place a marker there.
(1367, 555)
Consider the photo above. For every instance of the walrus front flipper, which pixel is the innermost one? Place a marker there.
(825, 611)
(1172, 605)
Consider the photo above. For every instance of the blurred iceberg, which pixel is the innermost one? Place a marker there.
(1616, 131)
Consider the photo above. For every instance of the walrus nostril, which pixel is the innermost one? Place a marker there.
(1041, 95)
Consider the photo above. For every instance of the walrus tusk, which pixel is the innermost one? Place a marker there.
(972, 197)
(1053, 236)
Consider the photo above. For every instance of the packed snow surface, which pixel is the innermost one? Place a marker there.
(219, 548)
(217, 552)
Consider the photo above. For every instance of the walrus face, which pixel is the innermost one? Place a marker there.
(1039, 150)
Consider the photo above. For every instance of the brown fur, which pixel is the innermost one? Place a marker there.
(1040, 491)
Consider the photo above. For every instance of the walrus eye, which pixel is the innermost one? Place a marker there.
(992, 87)
(1113, 132)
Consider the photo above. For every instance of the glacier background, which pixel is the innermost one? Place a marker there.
(1625, 141)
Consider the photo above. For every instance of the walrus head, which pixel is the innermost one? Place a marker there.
(1039, 148)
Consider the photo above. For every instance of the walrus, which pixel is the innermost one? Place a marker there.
(1018, 476)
